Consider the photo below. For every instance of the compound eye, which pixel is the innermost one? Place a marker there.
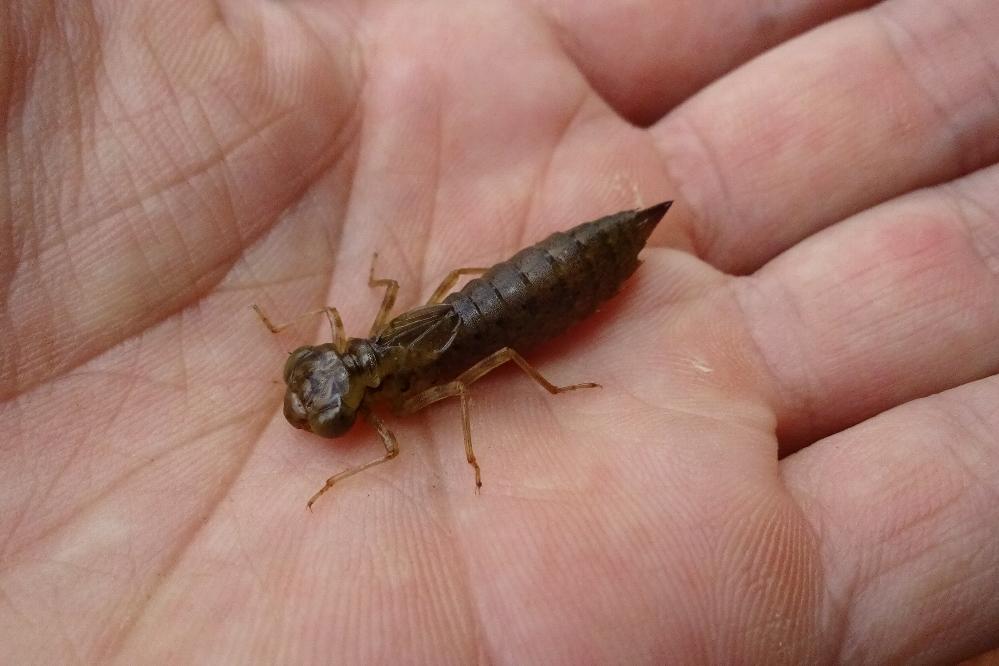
(294, 411)
(298, 356)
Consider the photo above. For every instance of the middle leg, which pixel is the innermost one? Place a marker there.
(459, 387)
(450, 390)
(477, 371)
(498, 358)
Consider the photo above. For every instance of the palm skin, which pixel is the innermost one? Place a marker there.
(171, 163)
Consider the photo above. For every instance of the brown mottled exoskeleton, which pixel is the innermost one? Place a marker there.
(436, 351)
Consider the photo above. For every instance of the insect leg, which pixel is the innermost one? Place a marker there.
(500, 357)
(449, 390)
(391, 289)
(391, 451)
(447, 283)
(459, 387)
(332, 315)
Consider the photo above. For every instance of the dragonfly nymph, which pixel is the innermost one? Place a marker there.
(438, 350)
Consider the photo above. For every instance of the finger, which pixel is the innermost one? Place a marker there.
(643, 59)
(858, 111)
(896, 303)
(905, 507)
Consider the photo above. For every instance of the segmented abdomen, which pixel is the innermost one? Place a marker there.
(545, 288)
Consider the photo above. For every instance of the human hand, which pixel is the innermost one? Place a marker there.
(170, 163)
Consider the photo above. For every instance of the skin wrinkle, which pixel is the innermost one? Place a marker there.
(8, 602)
(922, 644)
(22, 512)
(815, 519)
(112, 487)
(466, 588)
(351, 160)
(31, 45)
(76, 121)
(906, 652)
(255, 132)
(67, 641)
(421, 269)
(74, 109)
(185, 375)
(133, 235)
(354, 124)
(710, 417)
(184, 543)
(250, 564)
(846, 607)
(559, 36)
(780, 536)
(959, 201)
(885, 569)
(11, 350)
(354, 45)
(885, 22)
(429, 567)
(336, 230)
(990, 64)
(226, 187)
(93, 68)
(224, 261)
(545, 171)
(703, 236)
(969, 411)
(131, 381)
(335, 235)
(857, 584)
(968, 29)
(802, 402)
(913, 308)
(221, 152)
(62, 469)
(26, 507)
(124, 205)
(218, 157)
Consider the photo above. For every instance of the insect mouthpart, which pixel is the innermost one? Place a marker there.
(334, 420)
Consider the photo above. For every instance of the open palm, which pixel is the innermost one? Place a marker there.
(170, 163)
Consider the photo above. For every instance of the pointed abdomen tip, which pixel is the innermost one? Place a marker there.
(656, 212)
(648, 218)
